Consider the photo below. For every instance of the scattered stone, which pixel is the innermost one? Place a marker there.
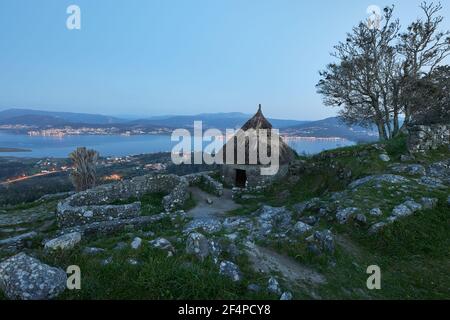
(388, 178)
(361, 218)
(429, 203)
(286, 296)
(133, 262)
(209, 201)
(412, 169)
(273, 286)
(215, 250)
(401, 211)
(414, 206)
(197, 245)
(310, 220)
(376, 227)
(148, 234)
(235, 223)
(376, 212)
(64, 242)
(136, 243)
(431, 182)
(343, 215)
(325, 240)
(253, 287)
(163, 244)
(384, 157)
(92, 250)
(26, 278)
(270, 218)
(106, 261)
(230, 270)
(301, 228)
(208, 225)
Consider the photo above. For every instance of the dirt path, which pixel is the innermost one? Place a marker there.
(266, 260)
(218, 207)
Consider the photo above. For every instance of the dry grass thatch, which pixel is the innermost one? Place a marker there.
(260, 126)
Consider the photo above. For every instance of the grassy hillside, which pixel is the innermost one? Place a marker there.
(413, 252)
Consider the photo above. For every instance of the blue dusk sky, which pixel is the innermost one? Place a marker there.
(158, 57)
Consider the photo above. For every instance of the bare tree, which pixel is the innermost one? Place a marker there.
(84, 174)
(375, 66)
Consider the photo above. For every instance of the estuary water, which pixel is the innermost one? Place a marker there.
(120, 145)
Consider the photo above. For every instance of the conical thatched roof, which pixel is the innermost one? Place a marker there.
(257, 122)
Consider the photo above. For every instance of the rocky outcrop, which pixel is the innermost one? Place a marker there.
(387, 178)
(422, 138)
(25, 278)
(64, 242)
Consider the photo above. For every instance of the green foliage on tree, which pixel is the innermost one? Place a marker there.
(84, 173)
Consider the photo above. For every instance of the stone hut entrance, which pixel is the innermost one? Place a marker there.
(241, 178)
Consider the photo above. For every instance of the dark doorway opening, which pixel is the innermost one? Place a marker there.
(241, 178)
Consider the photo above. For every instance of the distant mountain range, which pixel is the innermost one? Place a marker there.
(52, 117)
(330, 127)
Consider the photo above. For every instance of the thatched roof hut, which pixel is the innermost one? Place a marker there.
(245, 171)
(256, 123)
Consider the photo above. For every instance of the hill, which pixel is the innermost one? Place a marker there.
(311, 236)
(332, 127)
(54, 118)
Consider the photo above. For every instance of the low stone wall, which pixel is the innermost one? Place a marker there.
(422, 138)
(215, 187)
(95, 204)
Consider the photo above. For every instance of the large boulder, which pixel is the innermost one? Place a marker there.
(270, 218)
(401, 211)
(64, 242)
(25, 278)
(387, 178)
(197, 245)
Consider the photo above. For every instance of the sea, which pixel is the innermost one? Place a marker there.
(122, 145)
